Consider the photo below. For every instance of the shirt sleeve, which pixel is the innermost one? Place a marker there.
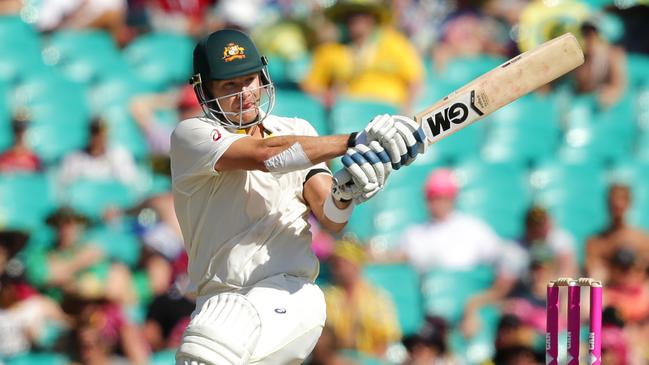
(195, 148)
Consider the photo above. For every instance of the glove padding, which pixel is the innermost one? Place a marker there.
(366, 170)
(400, 136)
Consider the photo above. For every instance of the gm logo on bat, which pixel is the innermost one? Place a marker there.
(440, 121)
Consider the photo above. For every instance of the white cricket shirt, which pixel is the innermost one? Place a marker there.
(239, 227)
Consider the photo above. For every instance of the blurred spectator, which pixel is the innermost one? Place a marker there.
(178, 16)
(464, 35)
(144, 108)
(515, 343)
(10, 7)
(604, 68)
(167, 317)
(73, 266)
(242, 15)
(326, 351)
(25, 315)
(627, 287)
(19, 157)
(540, 230)
(451, 239)
(600, 248)
(101, 329)
(374, 61)
(429, 346)
(361, 316)
(108, 15)
(544, 253)
(99, 160)
(527, 299)
(615, 342)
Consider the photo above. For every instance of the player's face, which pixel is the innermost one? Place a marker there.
(240, 96)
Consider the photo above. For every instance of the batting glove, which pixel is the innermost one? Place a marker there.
(366, 170)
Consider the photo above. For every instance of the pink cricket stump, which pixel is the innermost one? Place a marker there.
(552, 325)
(595, 335)
(574, 313)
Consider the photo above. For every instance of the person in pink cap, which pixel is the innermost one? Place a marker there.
(450, 239)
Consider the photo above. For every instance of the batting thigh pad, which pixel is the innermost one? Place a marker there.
(225, 331)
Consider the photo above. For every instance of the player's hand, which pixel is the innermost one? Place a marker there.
(400, 136)
(413, 135)
(366, 170)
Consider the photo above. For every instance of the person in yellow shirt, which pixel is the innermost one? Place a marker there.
(374, 62)
(361, 316)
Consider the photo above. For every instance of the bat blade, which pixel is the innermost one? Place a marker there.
(500, 86)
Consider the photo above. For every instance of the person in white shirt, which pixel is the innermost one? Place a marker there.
(244, 182)
(450, 239)
(99, 161)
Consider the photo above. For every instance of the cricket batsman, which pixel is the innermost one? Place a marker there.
(244, 182)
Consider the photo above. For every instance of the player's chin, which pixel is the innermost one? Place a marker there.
(250, 115)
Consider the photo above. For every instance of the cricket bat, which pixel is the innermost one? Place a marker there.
(495, 89)
(500, 86)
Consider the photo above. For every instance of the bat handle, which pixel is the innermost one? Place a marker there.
(343, 177)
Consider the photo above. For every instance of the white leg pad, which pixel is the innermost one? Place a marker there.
(225, 331)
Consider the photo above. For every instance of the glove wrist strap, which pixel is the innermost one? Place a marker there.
(335, 214)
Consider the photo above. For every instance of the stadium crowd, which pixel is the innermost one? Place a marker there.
(448, 265)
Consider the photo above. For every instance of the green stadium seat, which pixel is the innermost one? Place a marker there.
(52, 141)
(124, 131)
(464, 144)
(119, 243)
(38, 358)
(402, 283)
(26, 199)
(351, 115)
(20, 49)
(360, 358)
(92, 197)
(165, 357)
(294, 103)
(638, 70)
(85, 56)
(117, 91)
(461, 70)
(602, 135)
(361, 223)
(446, 292)
(396, 208)
(526, 131)
(161, 58)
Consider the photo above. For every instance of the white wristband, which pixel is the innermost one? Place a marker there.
(335, 214)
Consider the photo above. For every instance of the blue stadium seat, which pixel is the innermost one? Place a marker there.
(351, 115)
(85, 56)
(26, 199)
(402, 282)
(294, 103)
(92, 197)
(161, 58)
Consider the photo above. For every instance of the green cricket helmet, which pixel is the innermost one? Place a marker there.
(227, 54)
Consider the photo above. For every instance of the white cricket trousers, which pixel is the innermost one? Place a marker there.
(276, 322)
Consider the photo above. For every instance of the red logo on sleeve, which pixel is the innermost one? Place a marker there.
(216, 135)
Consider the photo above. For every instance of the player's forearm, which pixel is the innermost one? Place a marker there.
(316, 149)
